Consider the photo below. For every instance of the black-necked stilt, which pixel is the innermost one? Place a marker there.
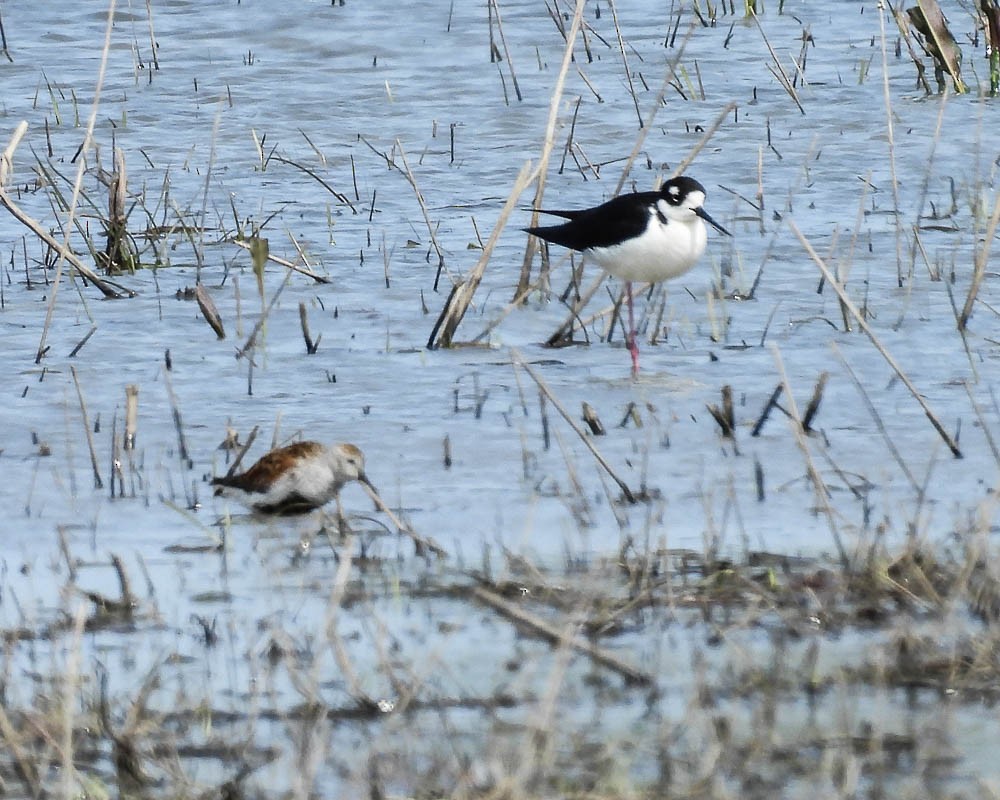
(645, 236)
(295, 479)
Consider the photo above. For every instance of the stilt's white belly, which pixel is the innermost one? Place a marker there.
(663, 251)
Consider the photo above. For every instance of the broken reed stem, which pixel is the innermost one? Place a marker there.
(243, 451)
(979, 271)
(152, 35)
(283, 262)
(311, 346)
(813, 406)
(128, 600)
(421, 542)
(521, 616)
(7, 157)
(98, 483)
(724, 415)
(342, 198)
(550, 139)
(771, 404)
(543, 387)
(175, 413)
(131, 415)
(78, 183)
(822, 493)
(952, 445)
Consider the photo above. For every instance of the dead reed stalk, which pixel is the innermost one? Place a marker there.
(633, 675)
(462, 292)
(550, 139)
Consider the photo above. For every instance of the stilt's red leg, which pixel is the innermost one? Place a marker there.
(633, 346)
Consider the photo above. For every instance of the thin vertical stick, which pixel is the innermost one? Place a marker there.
(98, 483)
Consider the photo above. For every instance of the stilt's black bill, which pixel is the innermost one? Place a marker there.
(705, 216)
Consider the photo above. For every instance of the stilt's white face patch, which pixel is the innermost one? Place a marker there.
(684, 212)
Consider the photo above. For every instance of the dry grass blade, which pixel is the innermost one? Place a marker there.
(543, 387)
(521, 616)
(979, 271)
(848, 303)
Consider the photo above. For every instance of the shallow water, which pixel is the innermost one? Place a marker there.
(341, 91)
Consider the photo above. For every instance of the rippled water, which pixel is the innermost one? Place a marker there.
(342, 91)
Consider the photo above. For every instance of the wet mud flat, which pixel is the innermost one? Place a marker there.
(643, 673)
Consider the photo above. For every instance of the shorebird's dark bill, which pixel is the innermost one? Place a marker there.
(705, 216)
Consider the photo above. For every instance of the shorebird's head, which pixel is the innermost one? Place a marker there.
(351, 463)
(683, 199)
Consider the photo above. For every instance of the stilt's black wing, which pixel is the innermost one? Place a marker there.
(621, 218)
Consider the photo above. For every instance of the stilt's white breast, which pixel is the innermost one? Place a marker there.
(667, 248)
